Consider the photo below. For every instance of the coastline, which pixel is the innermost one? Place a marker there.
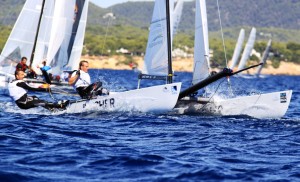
(180, 64)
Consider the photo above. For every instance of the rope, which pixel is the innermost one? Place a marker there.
(50, 93)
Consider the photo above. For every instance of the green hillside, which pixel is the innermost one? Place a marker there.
(284, 14)
(258, 13)
(128, 27)
(267, 15)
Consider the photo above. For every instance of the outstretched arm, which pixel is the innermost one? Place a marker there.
(27, 87)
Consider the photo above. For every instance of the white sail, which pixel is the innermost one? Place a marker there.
(238, 48)
(60, 36)
(201, 47)
(264, 57)
(156, 58)
(248, 49)
(21, 39)
(68, 28)
(58, 29)
(177, 16)
(49, 36)
(78, 43)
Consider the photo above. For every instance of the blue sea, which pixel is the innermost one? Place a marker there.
(36, 145)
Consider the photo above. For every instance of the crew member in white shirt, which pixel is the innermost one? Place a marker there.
(81, 81)
(18, 89)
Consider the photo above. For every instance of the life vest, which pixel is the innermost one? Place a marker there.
(15, 91)
(84, 79)
(23, 67)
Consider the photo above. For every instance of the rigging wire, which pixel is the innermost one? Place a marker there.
(224, 47)
(222, 34)
(110, 18)
(106, 32)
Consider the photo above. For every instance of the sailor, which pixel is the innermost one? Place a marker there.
(23, 66)
(18, 91)
(81, 81)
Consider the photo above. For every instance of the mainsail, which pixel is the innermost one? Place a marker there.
(201, 44)
(248, 49)
(21, 39)
(238, 48)
(156, 58)
(60, 36)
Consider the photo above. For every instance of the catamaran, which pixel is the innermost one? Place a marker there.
(157, 98)
(51, 30)
(269, 105)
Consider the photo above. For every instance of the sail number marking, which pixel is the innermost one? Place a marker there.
(106, 102)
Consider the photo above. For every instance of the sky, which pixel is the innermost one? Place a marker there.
(107, 3)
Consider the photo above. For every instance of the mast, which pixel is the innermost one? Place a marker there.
(37, 34)
(170, 71)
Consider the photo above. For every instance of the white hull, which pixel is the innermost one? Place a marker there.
(270, 105)
(161, 98)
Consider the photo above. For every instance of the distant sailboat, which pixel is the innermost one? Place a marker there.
(238, 49)
(270, 105)
(264, 58)
(248, 49)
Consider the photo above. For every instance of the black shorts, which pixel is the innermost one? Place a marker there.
(27, 102)
(87, 92)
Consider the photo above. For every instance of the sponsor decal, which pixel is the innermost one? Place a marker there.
(283, 97)
(103, 103)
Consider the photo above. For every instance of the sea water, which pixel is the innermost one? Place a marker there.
(128, 146)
